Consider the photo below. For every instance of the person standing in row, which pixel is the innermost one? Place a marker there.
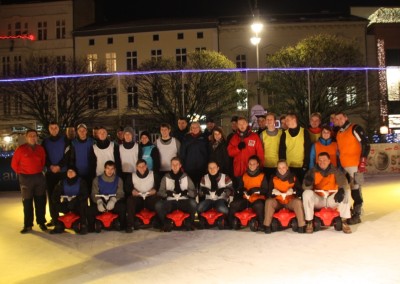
(270, 139)
(28, 162)
(168, 147)
(129, 153)
(58, 154)
(353, 152)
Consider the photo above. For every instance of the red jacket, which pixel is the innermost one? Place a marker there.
(241, 157)
(28, 160)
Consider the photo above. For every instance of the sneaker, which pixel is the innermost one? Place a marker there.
(267, 230)
(309, 228)
(346, 228)
(56, 231)
(43, 227)
(355, 219)
(301, 230)
(129, 230)
(26, 230)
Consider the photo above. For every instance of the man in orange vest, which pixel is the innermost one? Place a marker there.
(353, 152)
(325, 186)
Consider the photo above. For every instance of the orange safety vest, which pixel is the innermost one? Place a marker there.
(349, 147)
(324, 183)
(331, 149)
(283, 186)
(251, 182)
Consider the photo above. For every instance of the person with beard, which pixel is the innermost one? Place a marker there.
(81, 148)
(102, 151)
(75, 188)
(177, 192)
(149, 152)
(242, 146)
(194, 153)
(58, 155)
(294, 147)
(251, 191)
(328, 179)
(28, 162)
(142, 192)
(217, 188)
(219, 151)
(325, 143)
(284, 182)
(107, 183)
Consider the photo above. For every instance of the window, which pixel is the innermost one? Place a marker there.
(25, 31)
(17, 64)
(333, 96)
(61, 67)
(42, 30)
(156, 54)
(180, 36)
(91, 41)
(43, 65)
(200, 48)
(351, 96)
(241, 61)
(60, 29)
(131, 60)
(5, 66)
(111, 62)
(181, 55)
(111, 98)
(93, 100)
(200, 35)
(156, 37)
(110, 40)
(131, 39)
(18, 103)
(92, 61)
(7, 104)
(17, 28)
(133, 97)
(9, 30)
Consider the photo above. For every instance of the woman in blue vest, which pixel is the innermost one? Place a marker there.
(75, 189)
(149, 152)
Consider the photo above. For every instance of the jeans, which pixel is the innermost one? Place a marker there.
(220, 205)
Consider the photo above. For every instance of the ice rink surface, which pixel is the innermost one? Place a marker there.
(371, 254)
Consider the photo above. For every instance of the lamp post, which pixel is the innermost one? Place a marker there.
(255, 40)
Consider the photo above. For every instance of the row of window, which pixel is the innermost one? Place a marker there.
(23, 29)
(156, 37)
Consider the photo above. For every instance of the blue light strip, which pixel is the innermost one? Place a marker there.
(302, 69)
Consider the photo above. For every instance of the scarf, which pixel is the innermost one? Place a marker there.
(214, 181)
(176, 178)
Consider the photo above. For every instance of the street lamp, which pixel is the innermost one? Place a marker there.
(255, 40)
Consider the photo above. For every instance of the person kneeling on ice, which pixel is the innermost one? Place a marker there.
(325, 186)
(107, 184)
(284, 191)
(177, 191)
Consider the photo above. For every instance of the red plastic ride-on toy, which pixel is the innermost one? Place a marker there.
(244, 218)
(69, 220)
(212, 217)
(327, 216)
(106, 220)
(144, 216)
(284, 218)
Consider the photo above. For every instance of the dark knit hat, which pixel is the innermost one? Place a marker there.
(145, 133)
(130, 130)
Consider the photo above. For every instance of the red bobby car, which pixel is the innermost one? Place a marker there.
(247, 216)
(210, 218)
(70, 220)
(327, 217)
(144, 218)
(283, 219)
(107, 220)
(176, 219)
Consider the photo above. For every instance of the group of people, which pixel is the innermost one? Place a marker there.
(301, 169)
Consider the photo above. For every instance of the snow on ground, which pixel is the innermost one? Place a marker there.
(369, 255)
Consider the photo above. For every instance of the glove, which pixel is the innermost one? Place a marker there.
(205, 190)
(308, 180)
(241, 145)
(111, 203)
(339, 196)
(253, 190)
(362, 166)
(170, 193)
(100, 205)
(184, 192)
(177, 191)
(219, 191)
